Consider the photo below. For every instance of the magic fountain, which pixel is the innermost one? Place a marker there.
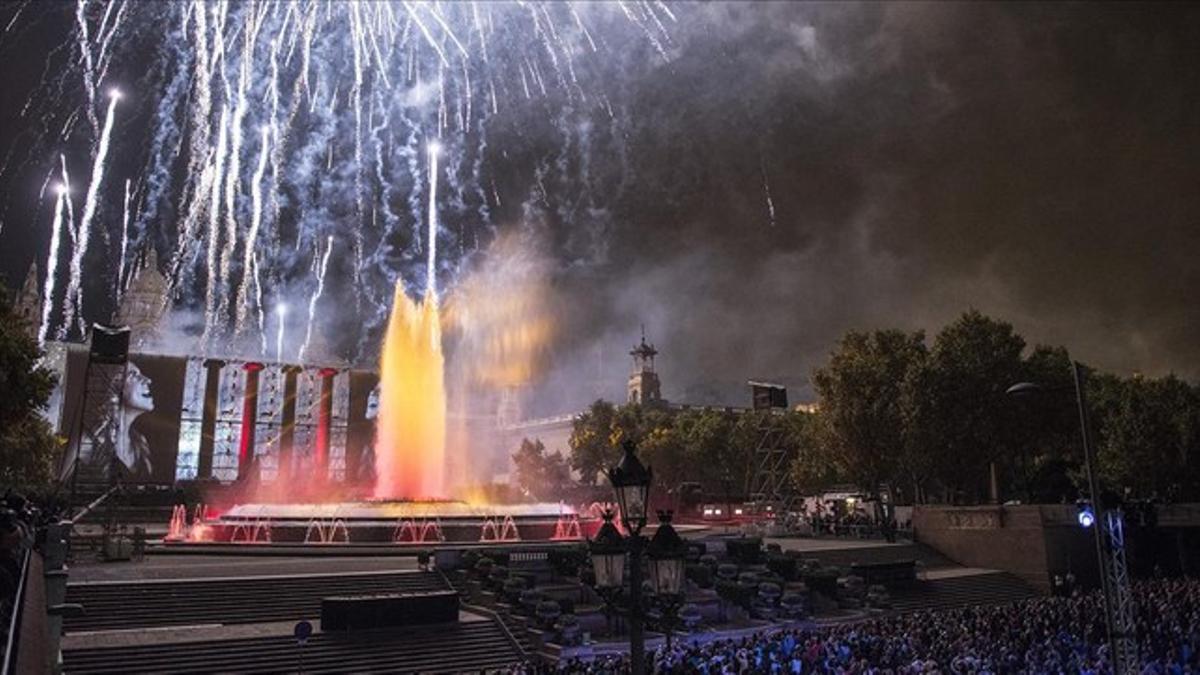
(409, 502)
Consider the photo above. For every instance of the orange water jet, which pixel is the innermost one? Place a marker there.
(410, 441)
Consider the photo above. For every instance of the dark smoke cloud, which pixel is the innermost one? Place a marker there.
(1036, 162)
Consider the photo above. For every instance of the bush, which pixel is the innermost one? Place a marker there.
(700, 575)
(483, 566)
(823, 581)
(566, 561)
(745, 551)
(784, 566)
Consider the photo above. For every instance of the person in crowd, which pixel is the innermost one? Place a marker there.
(1043, 635)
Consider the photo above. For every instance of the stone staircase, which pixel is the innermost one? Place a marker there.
(987, 588)
(176, 602)
(485, 602)
(927, 557)
(472, 646)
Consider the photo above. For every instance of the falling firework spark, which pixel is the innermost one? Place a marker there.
(52, 262)
(342, 92)
(75, 289)
(435, 149)
(312, 303)
(767, 192)
(124, 242)
(252, 237)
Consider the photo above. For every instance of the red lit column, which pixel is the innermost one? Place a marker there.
(249, 419)
(324, 421)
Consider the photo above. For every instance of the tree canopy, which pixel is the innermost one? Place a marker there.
(28, 448)
(926, 419)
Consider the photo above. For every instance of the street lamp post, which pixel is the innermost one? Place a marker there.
(1114, 580)
(608, 562)
(631, 484)
(666, 552)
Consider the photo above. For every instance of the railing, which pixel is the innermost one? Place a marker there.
(14, 620)
(95, 503)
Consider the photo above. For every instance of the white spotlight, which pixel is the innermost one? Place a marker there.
(114, 93)
(435, 148)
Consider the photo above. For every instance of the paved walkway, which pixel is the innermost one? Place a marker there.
(830, 544)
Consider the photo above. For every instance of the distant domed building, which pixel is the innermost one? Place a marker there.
(144, 303)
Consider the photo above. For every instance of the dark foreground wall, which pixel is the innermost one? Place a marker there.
(1036, 542)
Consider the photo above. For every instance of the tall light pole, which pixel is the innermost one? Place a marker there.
(666, 551)
(631, 484)
(1110, 544)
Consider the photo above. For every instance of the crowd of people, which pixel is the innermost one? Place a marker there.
(20, 521)
(1044, 635)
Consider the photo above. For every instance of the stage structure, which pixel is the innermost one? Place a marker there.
(770, 488)
(93, 456)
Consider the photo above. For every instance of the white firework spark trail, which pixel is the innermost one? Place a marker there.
(52, 263)
(252, 235)
(234, 175)
(762, 167)
(320, 270)
(214, 281)
(75, 289)
(435, 148)
(348, 88)
(66, 179)
(124, 242)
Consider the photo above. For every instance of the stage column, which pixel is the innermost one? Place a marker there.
(324, 421)
(249, 419)
(208, 418)
(287, 433)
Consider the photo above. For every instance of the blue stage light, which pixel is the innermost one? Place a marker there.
(1086, 517)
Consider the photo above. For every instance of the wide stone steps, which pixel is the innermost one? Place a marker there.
(110, 606)
(454, 648)
(928, 557)
(990, 588)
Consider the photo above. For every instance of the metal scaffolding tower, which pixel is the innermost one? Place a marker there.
(95, 440)
(770, 487)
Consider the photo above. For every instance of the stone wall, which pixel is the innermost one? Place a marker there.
(1030, 541)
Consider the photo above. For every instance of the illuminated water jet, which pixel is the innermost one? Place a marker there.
(410, 442)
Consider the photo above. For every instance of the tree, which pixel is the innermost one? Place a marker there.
(1148, 443)
(861, 390)
(958, 406)
(540, 475)
(815, 468)
(592, 445)
(662, 448)
(706, 436)
(28, 448)
(1048, 457)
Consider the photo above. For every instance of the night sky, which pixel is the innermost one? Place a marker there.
(793, 171)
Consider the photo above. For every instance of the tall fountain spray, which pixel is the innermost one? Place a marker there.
(410, 440)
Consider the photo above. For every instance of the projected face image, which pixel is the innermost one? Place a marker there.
(133, 448)
(137, 390)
